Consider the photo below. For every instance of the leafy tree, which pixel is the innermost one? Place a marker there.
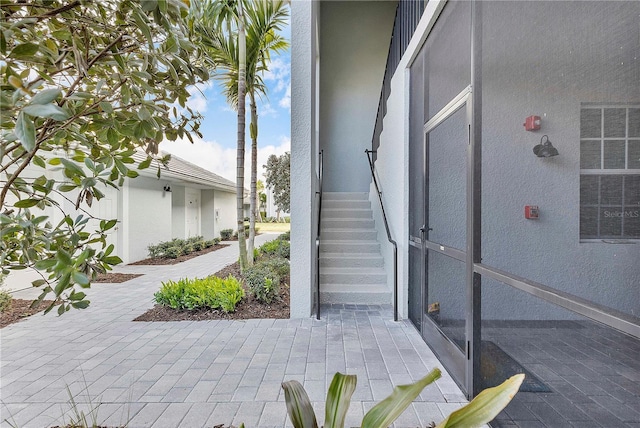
(277, 178)
(84, 84)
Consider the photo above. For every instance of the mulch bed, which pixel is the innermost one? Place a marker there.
(248, 308)
(20, 309)
(116, 278)
(167, 261)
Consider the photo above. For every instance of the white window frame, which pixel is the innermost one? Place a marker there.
(602, 171)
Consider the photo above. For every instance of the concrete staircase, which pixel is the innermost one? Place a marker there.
(351, 266)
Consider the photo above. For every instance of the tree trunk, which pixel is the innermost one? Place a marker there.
(242, 71)
(254, 176)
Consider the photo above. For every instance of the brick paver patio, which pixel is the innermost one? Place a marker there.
(204, 373)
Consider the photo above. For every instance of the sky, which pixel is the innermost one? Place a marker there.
(216, 151)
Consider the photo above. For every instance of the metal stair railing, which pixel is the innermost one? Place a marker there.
(395, 245)
(319, 192)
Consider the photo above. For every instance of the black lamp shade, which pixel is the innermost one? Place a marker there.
(545, 149)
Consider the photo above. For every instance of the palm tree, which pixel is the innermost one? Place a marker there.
(213, 18)
(263, 19)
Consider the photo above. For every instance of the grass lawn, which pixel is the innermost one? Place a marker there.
(274, 227)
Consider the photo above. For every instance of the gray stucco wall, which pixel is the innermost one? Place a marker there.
(587, 52)
(353, 51)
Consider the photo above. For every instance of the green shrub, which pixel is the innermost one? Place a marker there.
(276, 247)
(199, 245)
(5, 300)
(285, 236)
(210, 292)
(187, 248)
(287, 219)
(278, 265)
(173, 252)
(225, 234)
(262, 282)
(216, 241)
(194, 239)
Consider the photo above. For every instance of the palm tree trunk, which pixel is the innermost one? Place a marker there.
(242, 70)
(254, 175)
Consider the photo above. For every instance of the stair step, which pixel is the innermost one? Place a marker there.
(352, 275)
(329, 213)
(354, 196)
(346, 204)
(371, 294)
(347, 223)
(351, 260)
(349, 246)
(348, 234)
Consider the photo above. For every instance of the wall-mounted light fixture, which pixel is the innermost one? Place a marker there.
(167, 188)
(545, 149)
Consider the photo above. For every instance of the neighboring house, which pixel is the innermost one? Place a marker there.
(452, 97)
(185, 201)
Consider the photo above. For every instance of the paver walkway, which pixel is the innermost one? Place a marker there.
(204, 373)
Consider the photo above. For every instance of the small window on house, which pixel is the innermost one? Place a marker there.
(610, 172)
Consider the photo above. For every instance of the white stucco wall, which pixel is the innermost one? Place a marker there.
(303, 154)
(354, 45)
(178, 211)
(149, 216)
(225, 203)
(207, 214)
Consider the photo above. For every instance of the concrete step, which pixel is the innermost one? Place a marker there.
(347, 223)
(366, 294)
(353, 275)
(332, 196)
(349, 247)
(329, 213)
(351, 260)
(348, 234)
(346, 204)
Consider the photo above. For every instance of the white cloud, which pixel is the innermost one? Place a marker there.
(285, 101)
(197, 102)
(212, 156)
(278, 70)
(265, 110)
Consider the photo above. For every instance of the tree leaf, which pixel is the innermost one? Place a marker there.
(384, 413)
(299, 406)
(25, 131)
(26, 203)
(24, 51)
(46, 96)
(145, 163)
(49, 111)
(485, 406)
(81, 279)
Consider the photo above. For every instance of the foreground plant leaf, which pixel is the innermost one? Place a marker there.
(388, 410)
(485, 406)
(298, 405)
(339, 399)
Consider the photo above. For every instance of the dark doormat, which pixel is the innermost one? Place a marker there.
(496, 366)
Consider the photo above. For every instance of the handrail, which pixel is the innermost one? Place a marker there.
(320, 174)
(395, 245)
